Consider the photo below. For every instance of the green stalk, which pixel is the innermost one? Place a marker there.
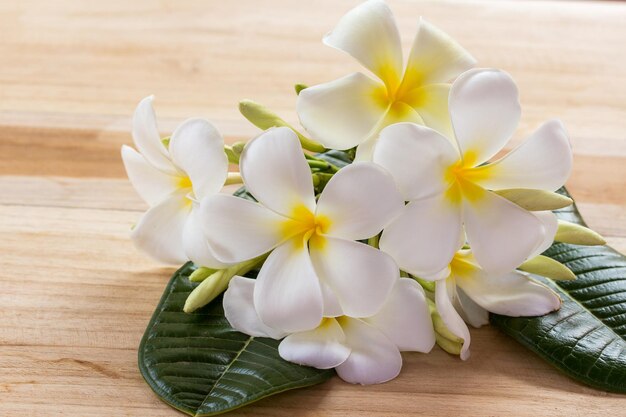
(233, 158)
(234, 178)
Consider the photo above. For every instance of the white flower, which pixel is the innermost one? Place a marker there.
(362, 350)
(315, 268)
(350, 111)
(448, 183)
(469, 293)
(171, 179)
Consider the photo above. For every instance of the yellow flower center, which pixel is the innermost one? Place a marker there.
(306, 227)
(463, 175)
(397, 99)
(184, 182)
(400, 97)
(461, 266)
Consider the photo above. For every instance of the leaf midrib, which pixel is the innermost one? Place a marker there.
(217, 381)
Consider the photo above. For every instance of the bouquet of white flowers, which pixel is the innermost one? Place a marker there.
(391, 224)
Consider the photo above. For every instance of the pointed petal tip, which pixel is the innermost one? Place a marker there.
(146, 100)
(125, 150)
(465, 354)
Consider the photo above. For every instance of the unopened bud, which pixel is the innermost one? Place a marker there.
(206, 292)
(577, 235)
(547, 267)
(535, 200)
(264, 118)
(201, 274)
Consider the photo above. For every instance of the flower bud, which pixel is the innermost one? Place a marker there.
(577, 235)
(216, 283)
(535, 200)
(201, 274)
(209, 288)
(263, 118)
(547, 267)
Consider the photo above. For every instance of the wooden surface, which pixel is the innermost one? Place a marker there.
(75, 295)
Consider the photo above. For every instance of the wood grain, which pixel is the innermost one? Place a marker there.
(76, 296)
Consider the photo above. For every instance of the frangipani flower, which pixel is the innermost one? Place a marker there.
(469, 293)
(448, 184)
(315, 267)
(350, 111)
(171, 179)
(362, 350)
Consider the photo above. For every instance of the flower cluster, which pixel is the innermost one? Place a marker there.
(428, 230)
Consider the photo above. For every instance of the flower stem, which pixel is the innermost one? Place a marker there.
(299, 87)
(234, 178)
(233, 158)
(373, 241)
(315, 162)
(321, 165)
(320, 179)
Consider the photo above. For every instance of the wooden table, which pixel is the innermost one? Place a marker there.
(76, 296)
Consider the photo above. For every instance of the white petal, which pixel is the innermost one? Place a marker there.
(425, 237)
(323, 347)
(238, 229)
(195, 243)
(159, 232)
(359, 201)
(359, 275)
(276, 173)
(511, 294)
(398, 112)
(147, 139)
(374, 358)
(431, 102)
(450, 317)
(369, 33)
(485, 111)
(332, 307)
(543, 161)
(472, 313)
(435, 57)
(405, 318)
(341, 114)
(365, 151)
(151, 184)
(501, 234)
(551, 225)
(288, 294)
(239, 309)
(198, 149)
(417, 157)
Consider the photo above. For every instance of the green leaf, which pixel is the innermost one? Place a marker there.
(586, 338)
(201, 366)
(338, 158)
